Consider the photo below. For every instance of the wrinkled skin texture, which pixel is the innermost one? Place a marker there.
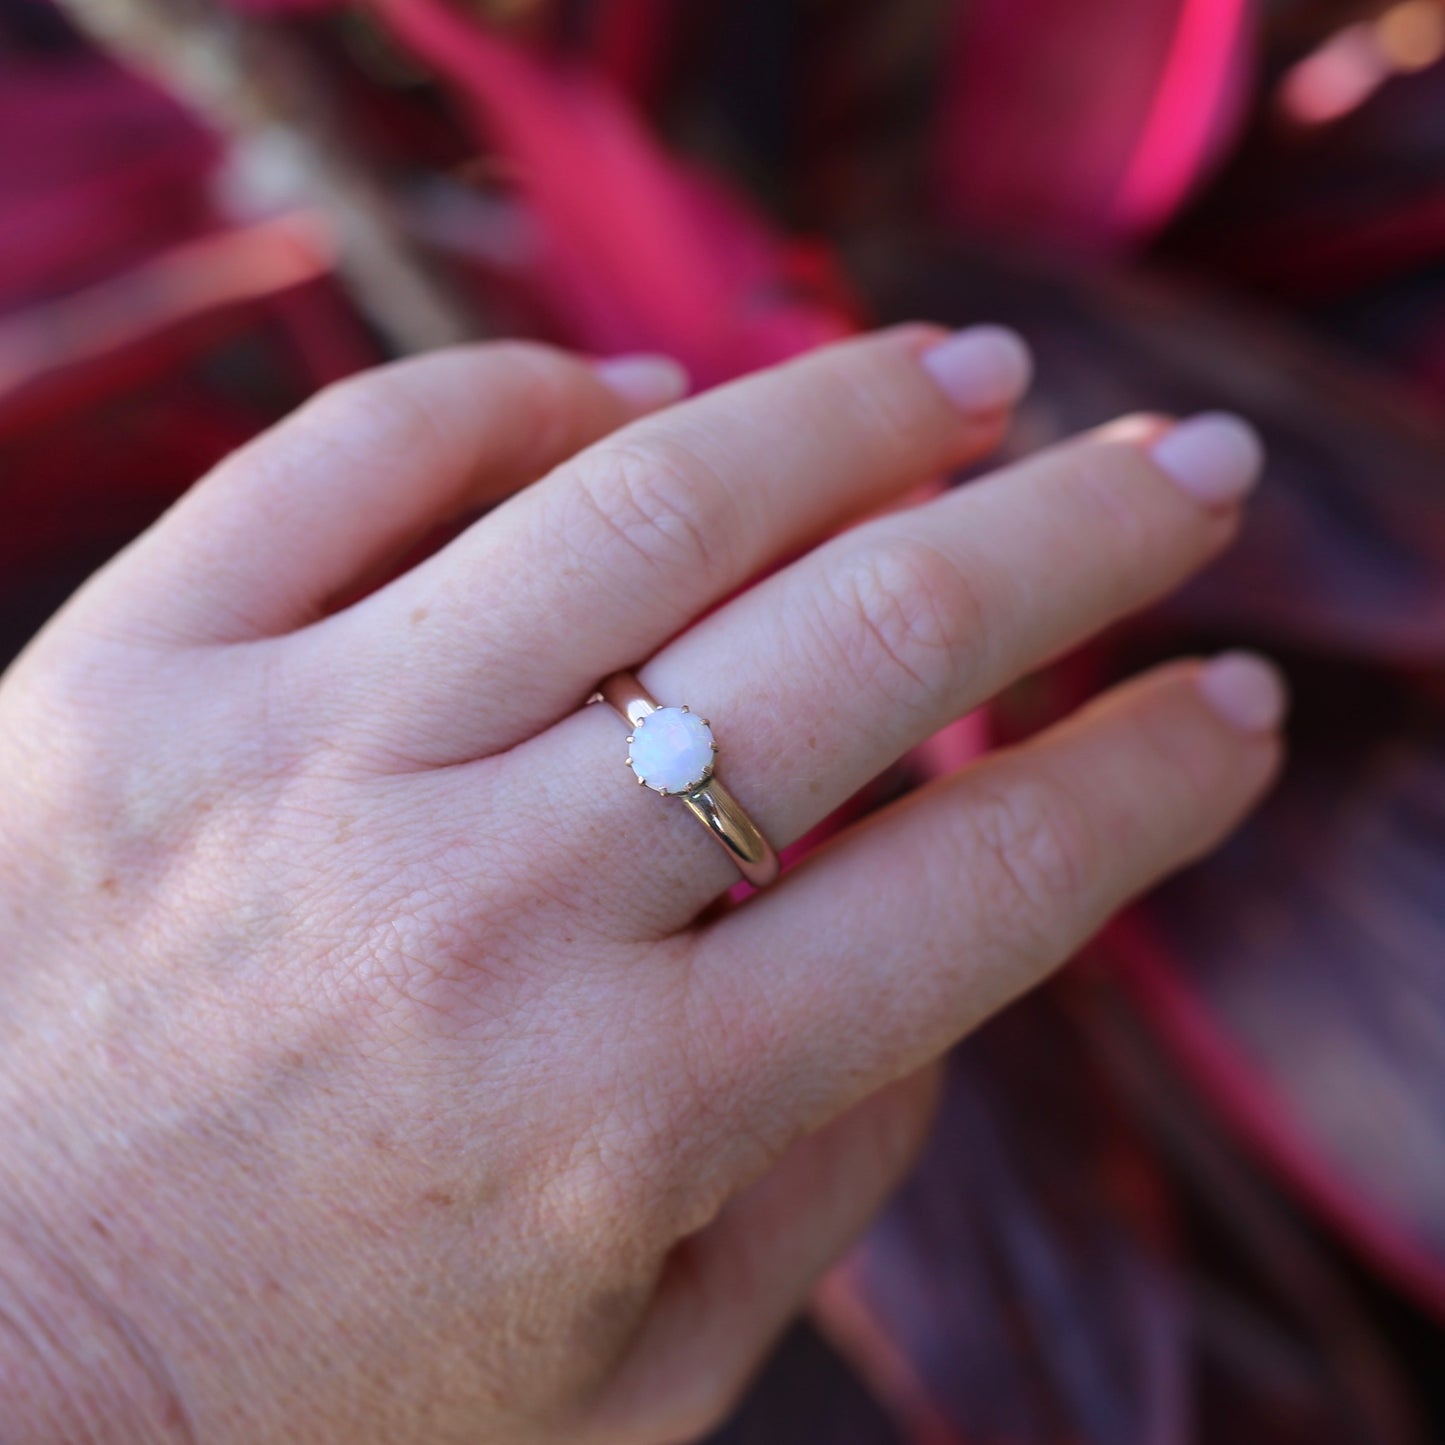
(376, 1062)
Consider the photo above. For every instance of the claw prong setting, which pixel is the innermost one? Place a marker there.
(675, 754)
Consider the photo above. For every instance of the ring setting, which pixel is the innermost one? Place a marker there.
(672, 751)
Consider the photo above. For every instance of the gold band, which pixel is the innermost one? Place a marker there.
(708, 801)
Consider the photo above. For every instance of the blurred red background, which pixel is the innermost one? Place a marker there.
(1195, 1191)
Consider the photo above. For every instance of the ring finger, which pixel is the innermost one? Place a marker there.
(825, 673)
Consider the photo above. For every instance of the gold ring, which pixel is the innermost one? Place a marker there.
(671, 750)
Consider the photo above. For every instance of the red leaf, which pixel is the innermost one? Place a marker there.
(118, 398)
(122, 170)
(1023, 1287)
(1297, 977)
(1082, 124)
(634, 250)
(1285, 1348)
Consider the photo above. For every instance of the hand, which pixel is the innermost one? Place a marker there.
(374, 1066)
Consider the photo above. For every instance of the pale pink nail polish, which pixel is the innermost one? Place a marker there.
(1246, 690)
(644, 381)
(1215, 457)
(983, 369)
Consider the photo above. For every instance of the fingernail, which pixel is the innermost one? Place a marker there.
(1246, 690)
(644, 381)
(1215, 457)
(983, 369)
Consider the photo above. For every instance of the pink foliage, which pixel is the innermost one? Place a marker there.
(1041, 1280)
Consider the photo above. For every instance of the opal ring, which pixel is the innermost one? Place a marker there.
(671, 750)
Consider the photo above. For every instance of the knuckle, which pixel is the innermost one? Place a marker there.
(903, 618)
(1035, 843)
(656, 502)
(668, 1144)
(597, 1194)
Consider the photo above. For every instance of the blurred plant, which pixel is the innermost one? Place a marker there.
(1196, 1191)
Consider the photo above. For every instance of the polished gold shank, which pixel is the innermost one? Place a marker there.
(723, 816)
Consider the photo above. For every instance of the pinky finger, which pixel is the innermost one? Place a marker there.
(908, 931)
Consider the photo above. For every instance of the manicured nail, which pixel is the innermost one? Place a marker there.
(644, 381)
(1246, 690)
(1215, 457)
(983, 369)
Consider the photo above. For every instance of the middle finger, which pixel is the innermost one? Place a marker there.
(509, 627)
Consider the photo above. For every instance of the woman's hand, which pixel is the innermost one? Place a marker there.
(373, 1066)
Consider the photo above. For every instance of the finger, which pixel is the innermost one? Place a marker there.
(887, 946)
(824, 674)
(617, 550)
(728, 1291)
(281, 529)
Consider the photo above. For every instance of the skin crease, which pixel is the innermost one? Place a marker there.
(373, 1064)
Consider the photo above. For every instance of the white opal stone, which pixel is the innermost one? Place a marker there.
(672, 750)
